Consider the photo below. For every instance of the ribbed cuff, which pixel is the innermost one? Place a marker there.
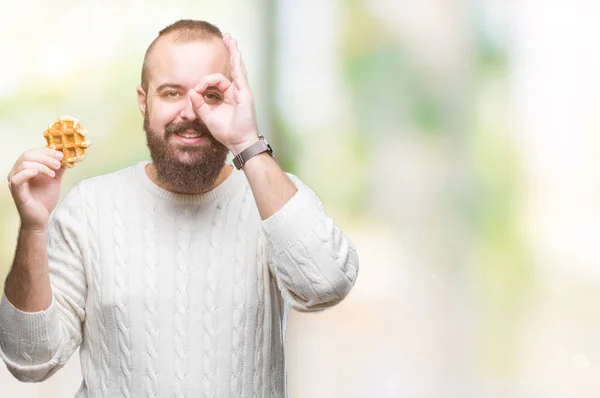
(32, 327)
(294, 221)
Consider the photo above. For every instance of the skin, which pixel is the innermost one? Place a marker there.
(34, 183)
(212, 87)
(175, 69)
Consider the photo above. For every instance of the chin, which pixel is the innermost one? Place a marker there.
(189, 158)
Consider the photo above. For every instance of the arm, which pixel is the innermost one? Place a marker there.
(314, 263)
(34, 183)
(42, 308)
(233, 123)
(27, 285)
(36, 344)
(270, 185)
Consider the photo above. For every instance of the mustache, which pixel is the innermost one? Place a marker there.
(195, 125)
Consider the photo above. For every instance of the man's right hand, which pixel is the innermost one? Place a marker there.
(34, 183)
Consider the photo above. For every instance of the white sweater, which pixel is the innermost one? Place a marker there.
(176, 296)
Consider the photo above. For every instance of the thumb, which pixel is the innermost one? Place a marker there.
(59, 173)
(198, 104)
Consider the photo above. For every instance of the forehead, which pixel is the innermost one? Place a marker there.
(185, 63)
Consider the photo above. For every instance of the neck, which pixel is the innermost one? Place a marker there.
(153, 175)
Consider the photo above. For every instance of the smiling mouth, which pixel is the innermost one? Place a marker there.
(189, 134)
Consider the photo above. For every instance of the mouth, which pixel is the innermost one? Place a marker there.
(189, 134)
(189, 137)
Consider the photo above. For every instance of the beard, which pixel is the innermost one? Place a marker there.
(199, 171)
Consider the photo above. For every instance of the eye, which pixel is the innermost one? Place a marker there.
(171, 94)
(212, 97)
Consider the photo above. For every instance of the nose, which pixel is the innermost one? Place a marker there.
(188, 112)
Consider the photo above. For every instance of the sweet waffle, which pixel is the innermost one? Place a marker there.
(68, 136)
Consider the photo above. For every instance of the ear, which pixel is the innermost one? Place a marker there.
(141, 97)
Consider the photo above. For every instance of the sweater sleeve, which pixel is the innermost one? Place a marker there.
(36, 345)
(314, 263)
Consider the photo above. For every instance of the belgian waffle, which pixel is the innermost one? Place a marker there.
(68, 136)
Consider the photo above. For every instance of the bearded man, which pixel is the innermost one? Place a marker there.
(174, 276)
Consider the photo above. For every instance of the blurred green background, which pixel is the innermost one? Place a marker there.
(454, 141)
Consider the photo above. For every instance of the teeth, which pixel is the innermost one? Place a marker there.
(188, 135)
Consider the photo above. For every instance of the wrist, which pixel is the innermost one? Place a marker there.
(257, 147)
(33, 229)
(236, 149)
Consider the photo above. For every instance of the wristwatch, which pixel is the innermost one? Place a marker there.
(257, 148)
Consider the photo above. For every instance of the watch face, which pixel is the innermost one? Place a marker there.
(262, 137)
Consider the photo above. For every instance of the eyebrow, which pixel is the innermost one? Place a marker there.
(169, 85)
(180, 87)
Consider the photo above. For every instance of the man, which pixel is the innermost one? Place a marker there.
(175, 277)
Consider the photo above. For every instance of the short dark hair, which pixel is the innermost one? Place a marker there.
(183, 31)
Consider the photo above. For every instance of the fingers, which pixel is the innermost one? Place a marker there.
(198, 104)
(200, 95)
(40, 157)
(36, 160)
(60, 172)
(44, 161)
(238, 68)
(37, 153)
(217, 80)
(17, 187)
(46, 156)
(51, 152)
(22, 177)
(42, 168)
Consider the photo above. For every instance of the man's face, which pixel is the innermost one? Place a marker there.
(186, 156)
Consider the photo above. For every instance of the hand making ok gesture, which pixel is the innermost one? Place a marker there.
(231, 121)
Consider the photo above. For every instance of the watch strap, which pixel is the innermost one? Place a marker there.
(257, 148)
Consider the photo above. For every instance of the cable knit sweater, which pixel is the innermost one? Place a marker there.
(176, 296)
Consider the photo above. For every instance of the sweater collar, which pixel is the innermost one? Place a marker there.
(228, 186)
